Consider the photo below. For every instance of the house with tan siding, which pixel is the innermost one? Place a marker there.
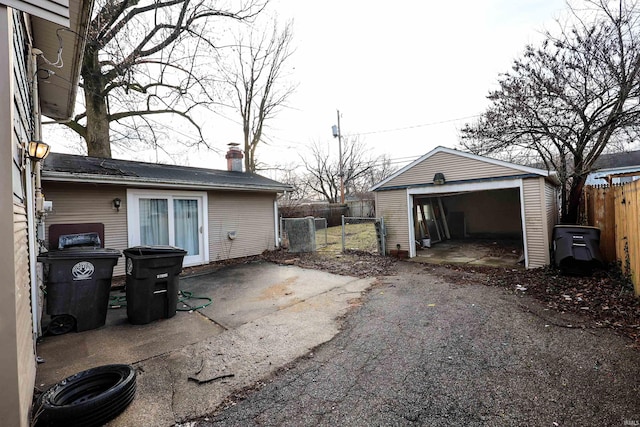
(213, 214)
(30, 31)
(451, 194)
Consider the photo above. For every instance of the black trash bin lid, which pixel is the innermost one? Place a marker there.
(154, 250)
(66, 241)
(80, 252)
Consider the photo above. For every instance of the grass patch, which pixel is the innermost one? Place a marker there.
(359, 237)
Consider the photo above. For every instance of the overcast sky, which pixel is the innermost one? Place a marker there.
(405, 75)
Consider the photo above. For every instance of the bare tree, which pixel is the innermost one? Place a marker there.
(360, 170)
(143, 59)
(565, 101)
(257, 77)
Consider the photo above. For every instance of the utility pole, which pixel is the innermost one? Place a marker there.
(337, 133)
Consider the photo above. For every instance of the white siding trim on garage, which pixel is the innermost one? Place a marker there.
(525, 242)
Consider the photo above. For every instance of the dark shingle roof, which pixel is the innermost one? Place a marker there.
(617, 160)
(72, 168)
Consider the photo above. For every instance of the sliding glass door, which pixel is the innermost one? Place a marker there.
(176, 219)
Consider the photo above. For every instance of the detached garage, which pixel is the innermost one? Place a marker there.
(449, 194)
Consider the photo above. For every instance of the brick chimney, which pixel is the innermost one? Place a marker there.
(234, 158)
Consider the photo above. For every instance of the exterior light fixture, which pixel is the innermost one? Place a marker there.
(117, 202)
(438, 178)
(38, 150)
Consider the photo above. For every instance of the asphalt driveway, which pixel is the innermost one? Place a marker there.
(423, 351)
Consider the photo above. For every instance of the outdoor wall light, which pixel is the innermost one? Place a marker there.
(438, 178)
(117, 202)
(38, 150)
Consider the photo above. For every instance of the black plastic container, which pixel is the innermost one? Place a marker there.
(152, 282)
(576, 249)
(78, 281)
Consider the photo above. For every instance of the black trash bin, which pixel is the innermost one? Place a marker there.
(152, 282)
(576, 249)
(78, 281)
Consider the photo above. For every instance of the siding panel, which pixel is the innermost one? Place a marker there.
(24, 323)
(86, 203)
(249, 215)
(551, 205)
(392, 206)
(22, 125)
(535, 222)
(454, 167)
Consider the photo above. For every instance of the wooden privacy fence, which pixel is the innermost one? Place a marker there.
(616, 211)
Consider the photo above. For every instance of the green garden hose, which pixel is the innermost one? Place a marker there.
(116, 301)
(186, 295)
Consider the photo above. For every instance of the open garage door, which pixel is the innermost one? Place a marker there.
(489, 220)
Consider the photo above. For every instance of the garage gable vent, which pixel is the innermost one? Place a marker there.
(438, 178)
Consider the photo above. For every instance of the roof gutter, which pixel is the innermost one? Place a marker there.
(50, 176)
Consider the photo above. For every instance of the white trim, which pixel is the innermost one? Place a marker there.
(412, 233)
(441, 149)
(133, 220)
(276, 224)
(471, 186)
(31, 233)
(524, 225)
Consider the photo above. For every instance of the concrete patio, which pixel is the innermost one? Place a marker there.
(263, 316)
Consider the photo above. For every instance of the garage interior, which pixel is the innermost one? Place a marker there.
(478, 227)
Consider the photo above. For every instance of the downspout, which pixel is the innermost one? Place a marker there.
(34, 183)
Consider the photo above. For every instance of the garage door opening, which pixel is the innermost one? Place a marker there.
(481, 227)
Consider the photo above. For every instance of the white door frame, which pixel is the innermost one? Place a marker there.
(133, 219)
(468, 187)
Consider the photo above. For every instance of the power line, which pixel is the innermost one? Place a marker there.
(415, 126)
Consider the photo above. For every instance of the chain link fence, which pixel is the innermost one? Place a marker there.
(310, 234)
(363, 234)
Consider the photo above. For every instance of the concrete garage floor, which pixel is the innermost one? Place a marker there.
(263, 316)
(495, 253)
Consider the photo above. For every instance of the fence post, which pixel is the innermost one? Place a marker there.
(343, 234)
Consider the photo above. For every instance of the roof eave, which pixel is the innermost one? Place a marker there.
(49, 176)
(58, 90)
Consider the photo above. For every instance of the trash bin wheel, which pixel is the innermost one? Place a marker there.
(61, 324)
